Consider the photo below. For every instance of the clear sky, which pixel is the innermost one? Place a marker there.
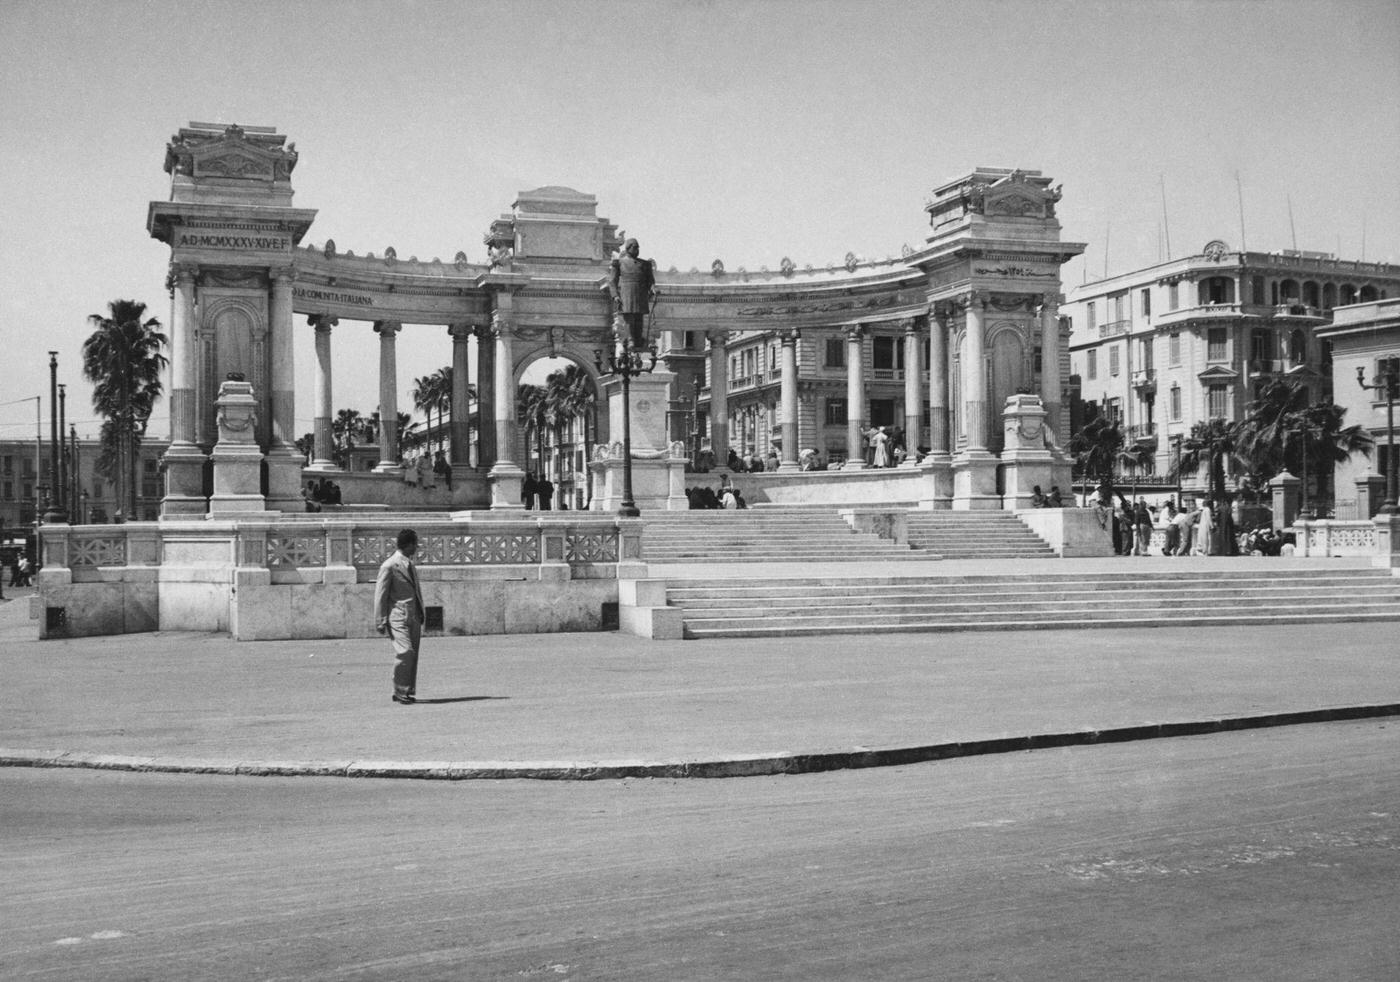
(708, 129)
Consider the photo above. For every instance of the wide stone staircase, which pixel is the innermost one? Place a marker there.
(771, 534)
(1044, 599)
(974, 535)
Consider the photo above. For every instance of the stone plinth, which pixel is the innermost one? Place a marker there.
(1387, 543)
(975, 481)
(1286, 490)
(237, 459)
(1029, 457)
(184, 482)
(650, 396)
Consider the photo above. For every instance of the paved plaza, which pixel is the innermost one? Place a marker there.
(605, 704)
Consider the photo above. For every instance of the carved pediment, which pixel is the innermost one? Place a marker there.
(231, 152)
(1021, 195)
(1219, 373)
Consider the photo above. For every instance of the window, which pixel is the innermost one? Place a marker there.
(882, 354)
(1089, 314)
(882, 412)
(9, 464)
(1215, 344)
(1174, 348)
(1256, 289)
(1384, 366)
(28, 490)
(1176, 403)
(26, 468)
(1261, 345)
(1114, 410)
(1297, 348)
(835, 353)
(836, 412)
(1120, 304)
(1093, 365)
(1217, 401)
(1173, 296)
(7, 490)
(1113, 360)
(1147, 303)
(1145, 353)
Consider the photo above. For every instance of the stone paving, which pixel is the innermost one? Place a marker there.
(610, 705)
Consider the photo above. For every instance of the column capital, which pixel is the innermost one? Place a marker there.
(281, 275)
(909, 325)
(387, 329)
(718, 337)
(501, 325)
(789, 336)
(460, 332)
(322, 322)
(1050, 301)
(854, 332)
(975, 299)
(184, 273)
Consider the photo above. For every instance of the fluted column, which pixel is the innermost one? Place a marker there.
(388, 397)
(913, 391)
(485, 397)
(184, 366)
(1050, 362)
(461, 405)
(938, 440)
(855, 396)
(322, 444)
(283, 379)
(975, 374)
(789, 397)
(719, 397)
(505, 410)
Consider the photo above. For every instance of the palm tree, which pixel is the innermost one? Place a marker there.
(1268, 435)
(123, 361)
(1322, 441)
(444, 399)
(1096, 447)
(433, 392)
(572, 396)
(1136, 456)
(532, 413)
(345, 429)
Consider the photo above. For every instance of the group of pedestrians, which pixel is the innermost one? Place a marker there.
(537, 492)
(728, 497)
(21, 571)
(425, 473)
(1188, 531)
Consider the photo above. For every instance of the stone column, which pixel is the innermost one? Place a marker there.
(461, 403)
(975, 374)
(719, 397)
(913, 391)
(284, 460)
(855, 397)
(1050, 384)
(789, 396)
(938, 441)
(485, 398)
(283, 379)
(322, 445)
(506, 476)
(184, 460)
(388, 398)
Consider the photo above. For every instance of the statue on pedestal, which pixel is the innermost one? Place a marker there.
(633, 289)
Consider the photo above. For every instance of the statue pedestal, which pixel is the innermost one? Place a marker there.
(937, 492)
(975, 481)
(1029, 460)
(658, 466)
(284, 466)
(237, 459)
(507, 483)
(184, 482)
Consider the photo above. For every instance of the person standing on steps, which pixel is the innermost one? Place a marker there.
(399, 613)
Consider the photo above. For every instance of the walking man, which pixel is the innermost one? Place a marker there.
(398, 611)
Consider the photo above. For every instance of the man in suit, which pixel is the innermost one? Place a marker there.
(398, 611)
(633, 289)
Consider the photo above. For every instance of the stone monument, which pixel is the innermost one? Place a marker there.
(237, 459)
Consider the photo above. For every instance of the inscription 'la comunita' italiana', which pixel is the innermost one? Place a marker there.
(329, 296)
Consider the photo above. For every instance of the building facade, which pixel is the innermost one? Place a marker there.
(1164, 348)
(1365, 340)
(26, 481)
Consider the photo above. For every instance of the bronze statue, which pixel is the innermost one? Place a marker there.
(633, 289)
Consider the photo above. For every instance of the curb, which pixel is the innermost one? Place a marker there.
(743, 766)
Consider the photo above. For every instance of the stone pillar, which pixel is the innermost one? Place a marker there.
(1287, 495)
(184, 460)
(789, 396)
(913, 391)
(719, 398)
(975, 468)
(1370, 495)
(284, 460)
(322, 444)
(1050, 383)
(855, 397)
(485, 398)
(461, 401)
(507, 478)
(388, 398)
(938, 441)
(975, 374)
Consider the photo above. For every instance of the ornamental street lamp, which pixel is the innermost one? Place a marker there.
(626, 362)
(1387, 380)
(56, 513)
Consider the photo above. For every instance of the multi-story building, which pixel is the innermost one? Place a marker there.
(26, 484)
(1365, 341)
(1196, 338)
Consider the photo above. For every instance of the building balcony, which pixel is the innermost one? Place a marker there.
(1143, 434)
(1145, 381)
(1267, 366)
(1114, 328)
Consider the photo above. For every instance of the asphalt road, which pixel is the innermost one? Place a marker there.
(1271, 854)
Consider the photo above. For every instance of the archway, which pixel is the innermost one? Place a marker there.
(1009, 376)
(562, 417)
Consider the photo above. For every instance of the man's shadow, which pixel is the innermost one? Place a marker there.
(436, 702)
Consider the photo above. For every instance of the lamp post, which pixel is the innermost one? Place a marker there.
(75, 478)
(63, 448)
(626, 362)
(84, 511)
(1387, 380)
(56, 513)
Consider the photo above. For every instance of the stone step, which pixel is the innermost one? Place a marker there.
(1053, 578)
(699, 599)
(1291, 616)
